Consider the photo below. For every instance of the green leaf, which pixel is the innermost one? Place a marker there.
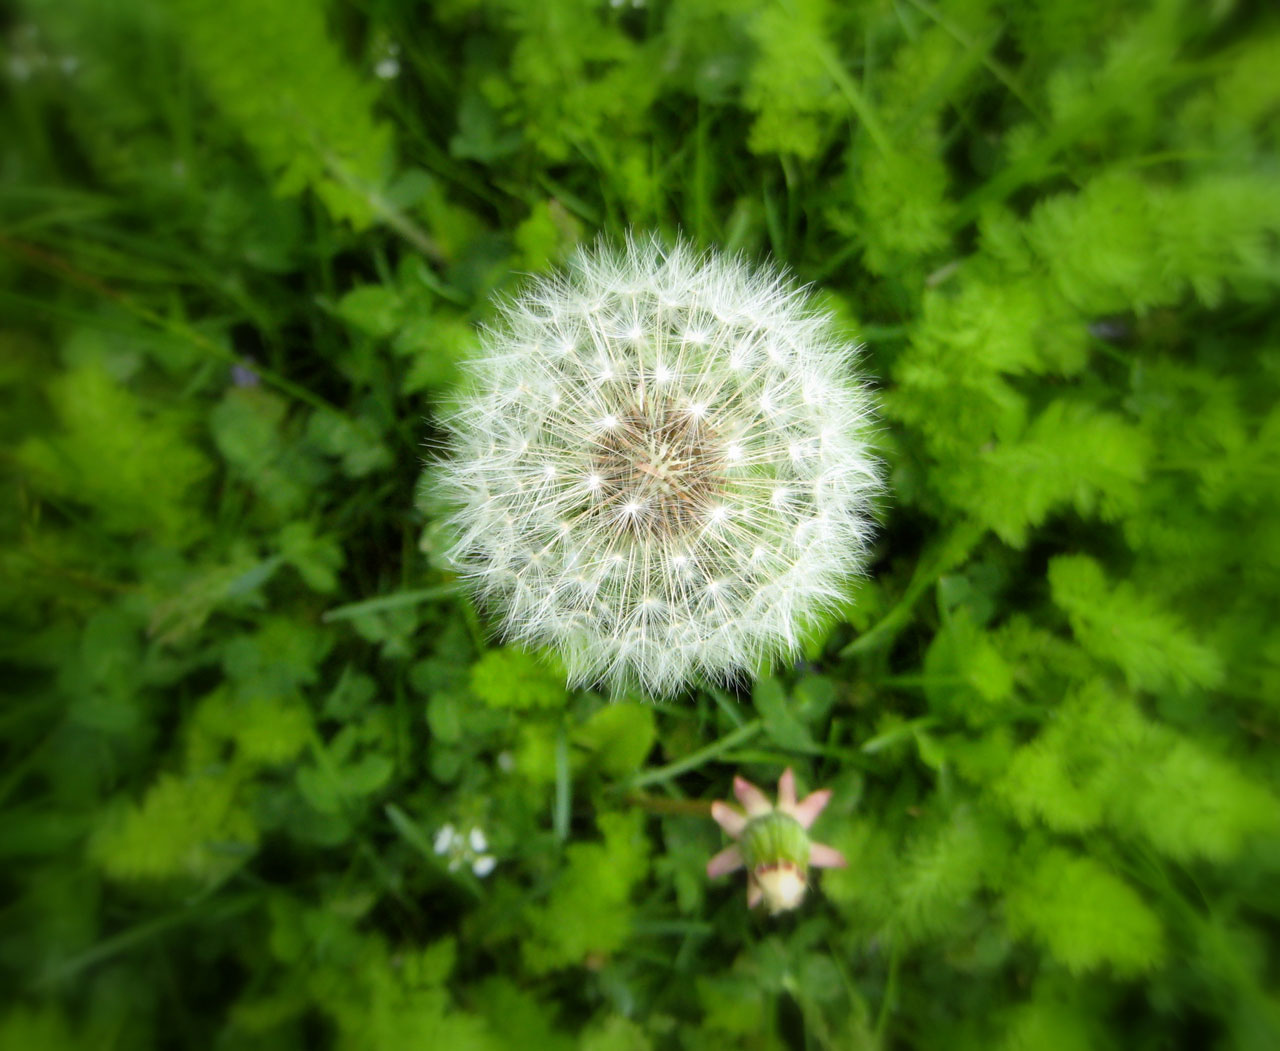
(589, 912)
(1118, 624)
(790, 89)
(965, 674)
(480, 135)
(513, 678)
(780, 723)
(193, 828)
(865, 890)
(265, 729)
(434, 344)
(535, 754)
(615, 1033)
(249, 428)
(329, 791)
(813, 698)
(134, 466)
(519, 1017)
(282, 83)
(445, 718)
(45, 1028)
(1102, 762)
(1084, 915)
(618, 737)
(365, 776)
(545, 237)
(317, 559)
(355, 442)
(1122, 243)
(282, 655)
(941, 871)
(1051, 1024)
(373, 309)
(351, 696)
(1071, 455)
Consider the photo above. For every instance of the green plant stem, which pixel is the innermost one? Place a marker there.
(952, 549)
(691, 762)
(395, 600)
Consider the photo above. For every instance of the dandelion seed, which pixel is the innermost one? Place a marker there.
(706, 427)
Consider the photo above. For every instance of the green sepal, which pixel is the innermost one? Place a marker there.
(774, 838)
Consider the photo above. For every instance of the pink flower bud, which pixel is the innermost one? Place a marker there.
(773, 842)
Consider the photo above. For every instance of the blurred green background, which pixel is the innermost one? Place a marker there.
(249, 726)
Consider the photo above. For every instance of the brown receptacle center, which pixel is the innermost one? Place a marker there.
(660, 471)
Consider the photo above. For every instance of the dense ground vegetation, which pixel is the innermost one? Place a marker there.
(250, 724)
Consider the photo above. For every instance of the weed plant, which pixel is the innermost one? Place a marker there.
(267, 779)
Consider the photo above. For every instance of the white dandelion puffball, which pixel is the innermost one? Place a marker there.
(660, 467)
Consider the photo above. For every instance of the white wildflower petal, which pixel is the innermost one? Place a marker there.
(445, 839)
(661, 467)
(483, 865)
(477, 840)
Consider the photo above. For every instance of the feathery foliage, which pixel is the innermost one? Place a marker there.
(267, 780)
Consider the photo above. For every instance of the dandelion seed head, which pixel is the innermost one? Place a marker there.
(660, 467)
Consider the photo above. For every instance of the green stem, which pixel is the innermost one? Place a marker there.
(702, 755)
(663, 805)
(125, 940)
(952, 549)
(890, 995)
(382, 603)
(564, 788)
(858, 102)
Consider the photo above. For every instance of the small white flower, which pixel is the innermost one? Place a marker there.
(660, 467)
(465, 850)
(387, 58)
(445, 839)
